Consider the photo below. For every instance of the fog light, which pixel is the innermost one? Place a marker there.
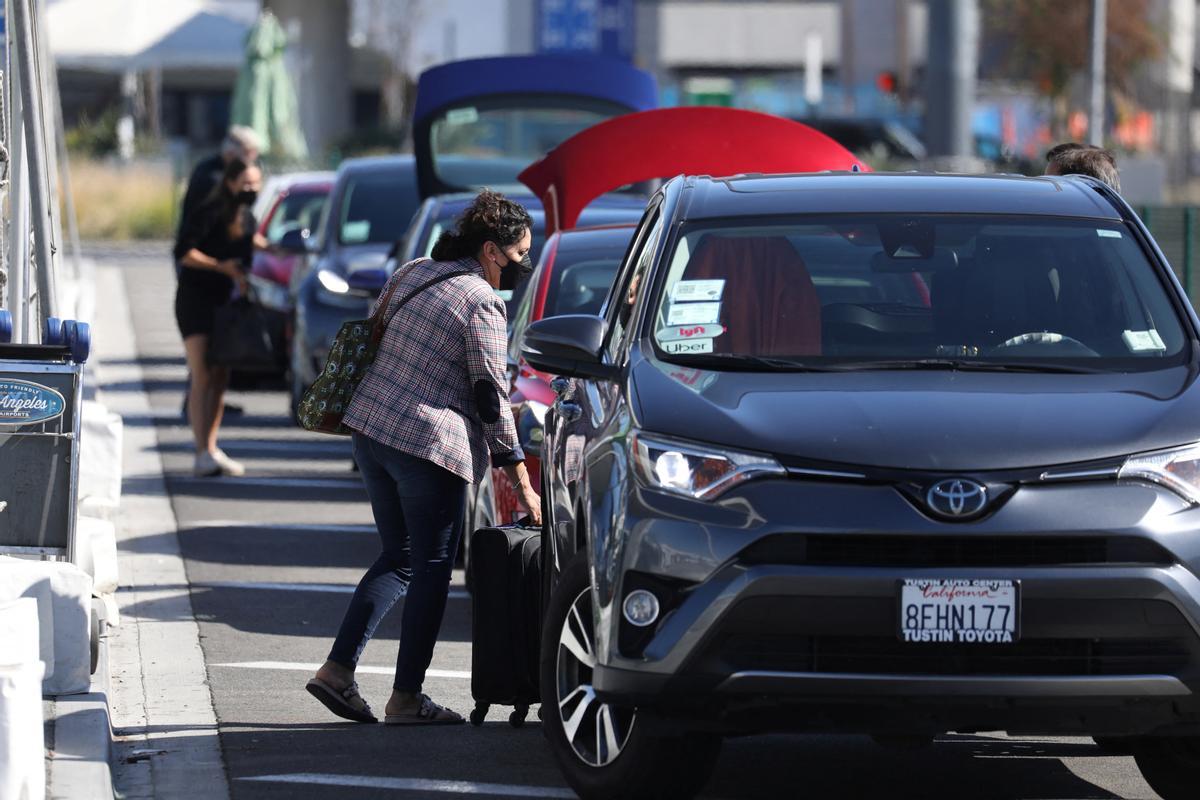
(641, 608)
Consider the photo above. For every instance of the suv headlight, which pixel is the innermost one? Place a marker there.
(696, 470)
(1177, 469)
(332, 282)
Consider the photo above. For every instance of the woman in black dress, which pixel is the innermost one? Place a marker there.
(213, 253)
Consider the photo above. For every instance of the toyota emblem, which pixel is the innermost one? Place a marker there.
(956, 498)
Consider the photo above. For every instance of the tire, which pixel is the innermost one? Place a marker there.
(1170, 764)
(632, 761)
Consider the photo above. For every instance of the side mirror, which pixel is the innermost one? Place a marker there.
(294, 242)
(567, 345)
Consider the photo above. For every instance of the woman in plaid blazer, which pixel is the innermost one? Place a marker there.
(431, 414)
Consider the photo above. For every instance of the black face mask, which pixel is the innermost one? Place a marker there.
(520, 269)
(246, 197)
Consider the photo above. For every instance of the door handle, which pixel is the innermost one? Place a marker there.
(562, 387)
(570, 411)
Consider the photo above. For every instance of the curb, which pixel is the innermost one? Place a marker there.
(79, 764)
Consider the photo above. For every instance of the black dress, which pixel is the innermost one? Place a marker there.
(201, 291)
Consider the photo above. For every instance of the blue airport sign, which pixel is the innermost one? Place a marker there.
(26, 403)
(600, 27)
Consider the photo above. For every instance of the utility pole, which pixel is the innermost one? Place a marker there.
(952, 65)
(1096, 74)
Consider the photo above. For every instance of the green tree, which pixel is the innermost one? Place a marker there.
(1046, 42)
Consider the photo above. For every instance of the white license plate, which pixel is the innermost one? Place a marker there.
(967, 611)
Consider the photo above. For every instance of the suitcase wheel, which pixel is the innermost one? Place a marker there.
(479, 713)
(517, 717)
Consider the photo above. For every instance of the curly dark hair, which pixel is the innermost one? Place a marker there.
(491, 217)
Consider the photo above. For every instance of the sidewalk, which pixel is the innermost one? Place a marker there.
(150, 714)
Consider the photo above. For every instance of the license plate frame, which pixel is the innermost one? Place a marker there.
(1005, 593)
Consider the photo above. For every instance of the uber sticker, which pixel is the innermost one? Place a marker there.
(694, 313)
(688, 347)
(686, 291)
(1143, 341)
(689, 332)
(462, 116)
(1108, 234)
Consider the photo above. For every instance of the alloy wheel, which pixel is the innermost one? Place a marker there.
(596, 731)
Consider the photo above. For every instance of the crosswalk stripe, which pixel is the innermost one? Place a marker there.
(292, 666)
(335, 588)
(417, 785)
(281, 527)
(272, 483)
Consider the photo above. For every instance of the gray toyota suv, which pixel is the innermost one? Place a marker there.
(889, 454)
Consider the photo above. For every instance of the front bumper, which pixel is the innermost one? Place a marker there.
(777, 627)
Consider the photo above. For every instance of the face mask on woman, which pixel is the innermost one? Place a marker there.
(246, 197)
(522, 267)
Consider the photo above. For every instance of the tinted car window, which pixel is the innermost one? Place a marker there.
(891, 287)
(297, 211)
(583, 276)
(375, 208)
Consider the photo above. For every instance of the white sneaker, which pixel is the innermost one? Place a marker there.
(206, 466)
(227, 464)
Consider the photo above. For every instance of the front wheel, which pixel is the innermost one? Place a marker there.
(601, 748)
(1170, 764)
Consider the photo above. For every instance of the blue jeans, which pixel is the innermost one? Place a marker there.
(418, 508)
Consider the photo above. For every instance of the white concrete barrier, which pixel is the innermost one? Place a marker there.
(64, 617)
(96, 552)
(100, 454)
(22, 756)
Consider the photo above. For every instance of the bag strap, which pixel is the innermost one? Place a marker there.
(377, 330)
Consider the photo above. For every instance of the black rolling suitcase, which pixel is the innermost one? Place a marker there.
(506, 623)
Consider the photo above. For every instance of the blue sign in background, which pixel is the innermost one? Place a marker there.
(25, 403)
(601, 27)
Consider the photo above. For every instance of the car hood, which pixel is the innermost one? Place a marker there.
(941, 421)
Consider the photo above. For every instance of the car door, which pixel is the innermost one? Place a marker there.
(590, 417)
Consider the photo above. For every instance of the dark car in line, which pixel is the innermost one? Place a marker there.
(856, 506)
(369, 207)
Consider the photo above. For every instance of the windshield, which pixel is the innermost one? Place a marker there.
(477, 146)
(889, 291)
(375, 209)
(296, 211)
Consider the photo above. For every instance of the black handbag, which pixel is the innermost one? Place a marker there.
(241, 336)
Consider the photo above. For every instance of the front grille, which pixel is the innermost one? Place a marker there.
(880, 655)
(873, 550)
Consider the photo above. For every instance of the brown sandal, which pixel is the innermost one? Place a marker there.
(430, 713)
(346, 703)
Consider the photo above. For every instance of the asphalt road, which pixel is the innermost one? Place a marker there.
(271, 559)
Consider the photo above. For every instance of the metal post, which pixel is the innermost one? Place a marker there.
(59, 156)
(952, 63)
(1096, 73)
(18, 204)
(26, 53)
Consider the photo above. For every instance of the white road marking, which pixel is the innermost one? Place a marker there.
(417, 785)
(272, 483)
(281, 527)
(291, 666)
(252, 446)
(336, 588)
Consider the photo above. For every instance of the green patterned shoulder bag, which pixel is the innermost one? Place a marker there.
(351, 355)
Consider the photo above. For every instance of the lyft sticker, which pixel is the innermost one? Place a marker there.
(694, 313)
(689, 332)
(688, 291)
(688, 347)
(25, 403)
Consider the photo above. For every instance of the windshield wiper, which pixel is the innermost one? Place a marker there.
(747, 363)
(740, 362)
(952, 364)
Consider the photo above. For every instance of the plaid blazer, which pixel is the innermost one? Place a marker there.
(438, 388)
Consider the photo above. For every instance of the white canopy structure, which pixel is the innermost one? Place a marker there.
(135, 35)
